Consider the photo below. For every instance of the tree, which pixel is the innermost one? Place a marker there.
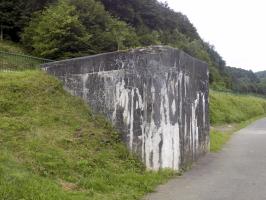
(9, 15)
(15, 15)
(57, 32)
(109, 33)
(123, 35)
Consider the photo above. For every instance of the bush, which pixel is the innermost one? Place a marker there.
(56, 32)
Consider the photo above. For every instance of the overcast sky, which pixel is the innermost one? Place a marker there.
(237, 28)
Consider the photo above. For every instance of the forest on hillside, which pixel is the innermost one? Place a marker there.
(261, 75)
(58, 29)
(246, 81)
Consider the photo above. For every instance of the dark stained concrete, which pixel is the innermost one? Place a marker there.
(156, 96)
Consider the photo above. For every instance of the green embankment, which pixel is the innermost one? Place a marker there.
(228, 108)
(218, 139)
(11, 47)
(53, 147)
(14, 57)
(233, 109)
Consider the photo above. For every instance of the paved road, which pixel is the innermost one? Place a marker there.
(236, 173)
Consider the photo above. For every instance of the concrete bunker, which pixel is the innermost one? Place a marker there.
(156, 96)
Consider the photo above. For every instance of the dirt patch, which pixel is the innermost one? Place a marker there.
(67, 186)
(228, 128)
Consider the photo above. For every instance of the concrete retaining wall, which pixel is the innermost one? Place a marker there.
(157, 97)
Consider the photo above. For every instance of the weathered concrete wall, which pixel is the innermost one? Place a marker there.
(157, 97)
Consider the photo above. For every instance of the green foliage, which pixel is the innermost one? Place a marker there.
(18, 62)
(262, 82)
(75, 28)
(57, 32)
(232, 108)
(151, 15)
(97, 26)
(236, 110)
(261, 74)
(15, 15)
(8, 46)
(13, 57)
(149, 38)
(52, 147)
(262, 86)
(123, 35)
(244, 81)
(220, 134)
(108, 33)
(156, 23)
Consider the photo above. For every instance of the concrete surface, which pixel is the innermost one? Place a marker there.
(236, 173)
(157, 97)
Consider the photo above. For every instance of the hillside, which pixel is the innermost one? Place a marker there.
(226, 108)
(229, 113)
(244, 81)
(53, 147)
(87, 27)
(261, 75)
(96, 26)
(8, 46)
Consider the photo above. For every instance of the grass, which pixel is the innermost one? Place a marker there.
(13, 58)
(11, 47)
(53, 147)
(218, 140)
(226, 108)
(238, 111)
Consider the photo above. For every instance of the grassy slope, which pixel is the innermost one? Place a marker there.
(16, 62)
(11, 47)
(230, 108)
(52, 147)
(237, 110)
(218, 139)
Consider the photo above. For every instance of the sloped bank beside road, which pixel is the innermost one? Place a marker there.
(52, 147)
(231, 112)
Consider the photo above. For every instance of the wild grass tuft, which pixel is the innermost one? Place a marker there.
(218, 139)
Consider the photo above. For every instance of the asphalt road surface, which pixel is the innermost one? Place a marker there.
(238, 172)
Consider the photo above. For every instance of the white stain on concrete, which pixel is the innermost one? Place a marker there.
(156, 115)
(160, 145)
(84, 81)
